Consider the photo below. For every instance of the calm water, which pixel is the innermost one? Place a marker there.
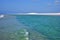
(39, 27)
(46, 25)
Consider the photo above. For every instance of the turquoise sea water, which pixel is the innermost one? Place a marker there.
(39, 27)
(48, 26)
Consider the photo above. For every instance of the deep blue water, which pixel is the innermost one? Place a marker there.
(46, 25)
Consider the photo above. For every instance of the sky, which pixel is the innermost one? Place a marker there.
(29, 6)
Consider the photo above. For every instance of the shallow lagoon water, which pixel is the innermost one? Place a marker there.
(39, 27)
(11, 29)
(46, 25)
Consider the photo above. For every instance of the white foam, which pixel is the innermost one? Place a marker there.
(38, 13)
(26, 33)
(32, 13)
(27, 38)
(1, 16)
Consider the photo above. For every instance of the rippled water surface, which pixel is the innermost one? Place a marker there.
(39, 27)
(48, 26)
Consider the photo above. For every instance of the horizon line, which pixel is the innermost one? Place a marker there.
(33, 14)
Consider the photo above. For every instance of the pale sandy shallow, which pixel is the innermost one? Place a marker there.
(9, 24)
